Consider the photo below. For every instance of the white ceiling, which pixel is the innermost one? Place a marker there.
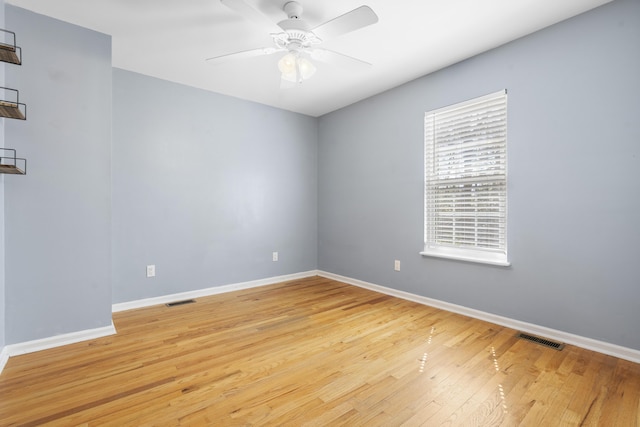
(171, 39)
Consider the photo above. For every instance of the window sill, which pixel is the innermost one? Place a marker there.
(481, 258)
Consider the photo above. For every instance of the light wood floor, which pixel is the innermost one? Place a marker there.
(314, 352)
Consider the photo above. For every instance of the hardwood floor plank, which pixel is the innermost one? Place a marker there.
(314, 352)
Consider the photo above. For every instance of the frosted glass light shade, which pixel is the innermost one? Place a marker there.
(307, 69)
(287, 64)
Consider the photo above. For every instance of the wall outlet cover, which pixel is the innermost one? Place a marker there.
(151, 270)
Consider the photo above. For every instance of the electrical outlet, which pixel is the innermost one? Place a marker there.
(151, 271)
(274, 256)
(396, 265)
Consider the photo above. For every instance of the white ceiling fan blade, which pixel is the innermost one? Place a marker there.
(216, 60)
(336, 58)
(249, 12)
(350, 21)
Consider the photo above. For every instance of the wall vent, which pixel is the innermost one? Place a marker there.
(175, 303)
(542, 341)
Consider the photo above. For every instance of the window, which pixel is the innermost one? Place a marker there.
(465, 202)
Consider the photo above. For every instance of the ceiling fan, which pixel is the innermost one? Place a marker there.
(300, 42)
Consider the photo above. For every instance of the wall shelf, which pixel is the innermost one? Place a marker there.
(10, 108)
(10, 105)
(9, 52)
(11, 164)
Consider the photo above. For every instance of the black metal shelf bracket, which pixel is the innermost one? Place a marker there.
(9, 52)
(10, 108)
(11, 164)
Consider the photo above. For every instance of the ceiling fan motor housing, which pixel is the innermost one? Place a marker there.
(297, 34)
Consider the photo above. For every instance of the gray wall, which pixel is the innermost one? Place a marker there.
(206, 187)
(2, 302)
(2, 286)
(57, 217)
(574, 180)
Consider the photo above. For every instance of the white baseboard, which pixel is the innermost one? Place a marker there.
(74, 337)
(584, 342)
(4, 358)
(147, 302)
(57, 341)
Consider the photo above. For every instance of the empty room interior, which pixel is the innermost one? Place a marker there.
(192, 233)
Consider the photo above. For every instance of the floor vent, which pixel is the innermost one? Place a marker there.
(542, 341)
(187, 301)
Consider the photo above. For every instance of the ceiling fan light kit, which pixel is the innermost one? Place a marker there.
(294, 36)
(295, 68)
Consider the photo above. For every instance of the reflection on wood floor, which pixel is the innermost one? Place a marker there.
(314, 352)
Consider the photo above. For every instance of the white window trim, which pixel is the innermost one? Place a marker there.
(492, 258)
(484, 256)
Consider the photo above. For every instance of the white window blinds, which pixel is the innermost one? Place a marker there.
(466, 180)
